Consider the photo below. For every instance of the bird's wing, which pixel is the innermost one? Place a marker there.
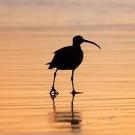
(61, 49)
(63, 55)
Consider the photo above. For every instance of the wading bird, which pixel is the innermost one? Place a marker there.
(68, 58)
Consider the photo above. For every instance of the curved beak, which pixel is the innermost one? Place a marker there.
(92, 43)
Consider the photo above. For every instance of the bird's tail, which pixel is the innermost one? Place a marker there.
(50, 65)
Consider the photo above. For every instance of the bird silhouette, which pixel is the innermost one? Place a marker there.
(68, 58)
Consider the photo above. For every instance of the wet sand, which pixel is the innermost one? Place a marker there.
(106, 77)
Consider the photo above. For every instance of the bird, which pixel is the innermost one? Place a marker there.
(68, 58)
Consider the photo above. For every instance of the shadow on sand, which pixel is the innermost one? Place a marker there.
(66, 119)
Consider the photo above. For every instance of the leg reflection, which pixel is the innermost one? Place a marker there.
(76, 119)
(53, 96)
(62, 118)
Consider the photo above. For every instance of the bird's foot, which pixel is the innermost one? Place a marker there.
(53, 92)
(75, 92)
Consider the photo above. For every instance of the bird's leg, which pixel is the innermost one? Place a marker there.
(73, 91)
(72, 79)
(53, 91)
(54, 77)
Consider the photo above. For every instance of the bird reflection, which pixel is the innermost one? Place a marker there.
(64, 118)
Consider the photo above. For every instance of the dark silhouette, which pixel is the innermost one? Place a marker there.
(72, 117)
(68, 58)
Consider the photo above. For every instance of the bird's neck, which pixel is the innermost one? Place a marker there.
(76, 45)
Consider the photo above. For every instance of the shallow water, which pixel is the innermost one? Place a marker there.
(106, 77)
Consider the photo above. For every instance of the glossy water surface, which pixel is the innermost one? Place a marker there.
(106, 77)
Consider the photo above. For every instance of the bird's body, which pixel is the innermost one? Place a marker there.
(68, 58)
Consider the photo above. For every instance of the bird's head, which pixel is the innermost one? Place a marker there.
(77, 40)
